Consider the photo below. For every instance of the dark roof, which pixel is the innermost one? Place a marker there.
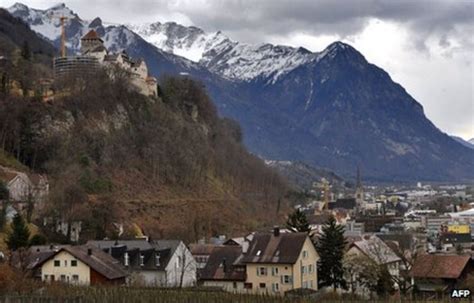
(202, 249)
(439, 266)
(135, 248)
(98, 260)
(91, 35)
(223, 265)
(267, 248)
(141, 244)
(346, 203)
(454, 238)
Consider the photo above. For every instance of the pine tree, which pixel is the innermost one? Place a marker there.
(330, 247)
(297, 222)
(20, 234)
(4, 193)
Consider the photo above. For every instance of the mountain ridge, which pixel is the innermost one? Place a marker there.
(331, 109)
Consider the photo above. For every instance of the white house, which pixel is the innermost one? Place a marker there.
(163, 263)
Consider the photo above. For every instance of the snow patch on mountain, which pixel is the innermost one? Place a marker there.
(230, 59)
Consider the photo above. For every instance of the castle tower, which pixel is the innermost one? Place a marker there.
(90, 42)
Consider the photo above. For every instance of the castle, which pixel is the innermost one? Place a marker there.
(95, 55)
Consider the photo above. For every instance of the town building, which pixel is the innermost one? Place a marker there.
(224, 270)
(80, 265)
(376, 250)
(24, 186)
(278, 262)
(432, 274)
(164, 263)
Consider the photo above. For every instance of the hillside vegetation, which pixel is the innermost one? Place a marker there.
(169, 164)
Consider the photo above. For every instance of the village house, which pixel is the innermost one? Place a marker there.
(441, 273)
(223, 269)
(164, 263)
(377, 251)
(278, 262)
(23, 187)
(201, 253)
(81, 265)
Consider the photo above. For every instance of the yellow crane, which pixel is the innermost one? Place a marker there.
(62, 20)
(325, 186)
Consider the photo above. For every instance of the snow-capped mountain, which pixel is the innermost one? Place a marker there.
(471, 141)
(116, 37)
(230, 59)
(47, 23)
(331, 109)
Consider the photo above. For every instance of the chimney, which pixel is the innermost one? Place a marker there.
(89, 251)
(276, 231)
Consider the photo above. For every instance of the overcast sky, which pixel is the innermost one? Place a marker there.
(426, 45)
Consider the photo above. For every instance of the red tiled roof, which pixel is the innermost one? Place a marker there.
(439, 266)
(92, 34)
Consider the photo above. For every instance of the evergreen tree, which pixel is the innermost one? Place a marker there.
(20, 234)
(4, 193)
(330, 247)
(297, 222)
(25, 51)
(3, 215)
(38, 240)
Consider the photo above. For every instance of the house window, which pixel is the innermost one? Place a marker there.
(248, 285)
(126, 259)
(65, 263)
(286, 279)
(310, 268)
(261, 271)
(73, 263)
(234, 284)
(75, 278)
(63, 278)
(262, 285)
(178, 262)
(45, 278)
(305, 254)
(57, 263)
(157, 260)
(274, 271)
(303, 269)
(275, 287)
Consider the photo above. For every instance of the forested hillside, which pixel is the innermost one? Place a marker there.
(168, 164)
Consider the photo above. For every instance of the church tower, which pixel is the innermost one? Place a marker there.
(359, 192)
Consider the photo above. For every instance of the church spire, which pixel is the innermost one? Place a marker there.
(358, 182)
